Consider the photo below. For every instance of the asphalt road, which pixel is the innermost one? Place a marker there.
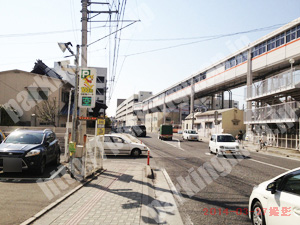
(223, 197)
(22, 195)
(214, 197)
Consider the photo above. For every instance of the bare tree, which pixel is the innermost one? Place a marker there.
(47, 111)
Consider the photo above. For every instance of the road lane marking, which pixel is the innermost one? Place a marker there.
(57, 172)
(178, 143)
(269, 164)
(172, 187)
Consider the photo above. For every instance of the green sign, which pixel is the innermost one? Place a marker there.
(86, 101)
(72, 147)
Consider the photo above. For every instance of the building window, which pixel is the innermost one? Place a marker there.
(100, 79)
(227, 65)
(259, 49)
(36, 94)
(99, 91)
(65, 97)
(279, 40)
(291, 34)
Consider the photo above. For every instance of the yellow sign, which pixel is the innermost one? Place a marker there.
(100, 126)
(100, 131)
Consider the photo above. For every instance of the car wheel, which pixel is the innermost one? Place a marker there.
(41, 169)
(257, 214)
(210, 150)
(136, 152)
(57, 159)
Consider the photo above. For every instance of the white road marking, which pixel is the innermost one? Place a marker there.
(269, 164)
(173, 145)
(172, 187)
(207, 153)
(57, 172)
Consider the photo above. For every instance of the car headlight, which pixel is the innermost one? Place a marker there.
(222, 147)
(33, 153)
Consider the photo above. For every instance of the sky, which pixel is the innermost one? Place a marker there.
(171, 41)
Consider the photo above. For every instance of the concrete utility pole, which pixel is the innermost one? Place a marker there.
(84, 20)
(192, 101)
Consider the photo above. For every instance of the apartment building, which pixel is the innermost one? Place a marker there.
(126, 115)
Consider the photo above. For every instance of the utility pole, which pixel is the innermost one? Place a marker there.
(84, 20)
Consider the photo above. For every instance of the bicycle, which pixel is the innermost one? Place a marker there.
(262, 146)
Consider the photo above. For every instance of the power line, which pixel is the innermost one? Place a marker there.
(195, 42)
(209, 36)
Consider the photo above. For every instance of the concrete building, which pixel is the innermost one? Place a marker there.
(216, 121)
(126, 115)
(155, 119)
(23, 91)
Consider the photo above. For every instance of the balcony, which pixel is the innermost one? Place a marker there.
(281, 113)
(280, 83)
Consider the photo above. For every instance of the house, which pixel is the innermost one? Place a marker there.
(23, 93)
(216, 121)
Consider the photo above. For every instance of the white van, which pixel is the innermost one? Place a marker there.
(223, 144)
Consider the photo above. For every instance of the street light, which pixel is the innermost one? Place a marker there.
(63, 47)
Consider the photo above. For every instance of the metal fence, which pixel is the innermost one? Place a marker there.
(93, 155)
(285, 112)
(88, 159)
(275, 84)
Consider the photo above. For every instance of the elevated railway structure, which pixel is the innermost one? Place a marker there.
(269, 67)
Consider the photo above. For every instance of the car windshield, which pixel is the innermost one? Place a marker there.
(225, 138)
(25, 138)
(192, 132)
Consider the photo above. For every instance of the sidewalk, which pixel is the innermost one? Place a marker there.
(120, 195)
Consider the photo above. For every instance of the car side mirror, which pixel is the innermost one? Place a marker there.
(272, 187)
(211, 139)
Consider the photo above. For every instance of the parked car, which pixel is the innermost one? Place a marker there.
(165, 132)
(118, 144)
(277, 201)
(190, 135)
(138, 131)
(223, 144)
(29, 150)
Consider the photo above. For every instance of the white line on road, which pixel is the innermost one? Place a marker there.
(269, 164)
(173, 145)
(57, 172)
(172, 187)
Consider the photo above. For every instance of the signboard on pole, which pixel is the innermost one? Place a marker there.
(100, 126)
(87, 87)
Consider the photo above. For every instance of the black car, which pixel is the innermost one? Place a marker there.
(29, 150)
(139, 131)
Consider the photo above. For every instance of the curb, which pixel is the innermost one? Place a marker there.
(58, 201)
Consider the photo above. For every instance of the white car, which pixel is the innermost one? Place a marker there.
(277, 201)
(190, 135)
(224, 144)
(119, 144)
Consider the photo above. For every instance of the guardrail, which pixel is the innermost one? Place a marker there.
(285, 112)
(281, 82)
